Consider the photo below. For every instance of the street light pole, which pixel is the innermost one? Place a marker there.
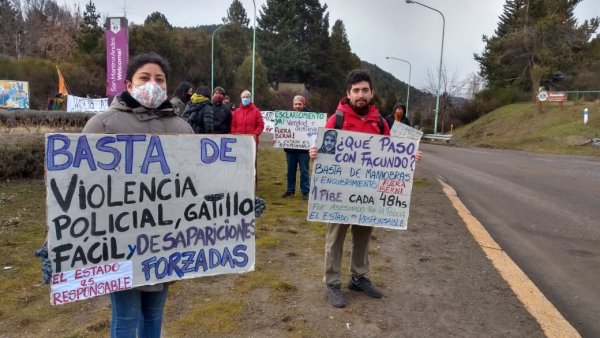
(253, 48)
(437, 100)
(408, 86)
(18, 43)
(212, 60)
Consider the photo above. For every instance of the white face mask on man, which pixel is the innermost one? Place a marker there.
(150, 94)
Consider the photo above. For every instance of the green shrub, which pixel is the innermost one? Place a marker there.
(58, 120)
(22, 156)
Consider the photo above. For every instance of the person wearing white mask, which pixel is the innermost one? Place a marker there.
(142, 108)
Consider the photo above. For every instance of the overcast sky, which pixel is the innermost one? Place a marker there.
(375, 28)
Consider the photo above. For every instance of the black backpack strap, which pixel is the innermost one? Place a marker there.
(381, 125)
(339, 119)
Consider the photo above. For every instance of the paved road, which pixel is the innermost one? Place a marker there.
(544, 210)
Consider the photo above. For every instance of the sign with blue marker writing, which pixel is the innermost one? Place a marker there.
(130, 210)
(296, 129)
(363, 179)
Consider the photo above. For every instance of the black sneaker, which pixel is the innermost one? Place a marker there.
(288, 194)
(335, 296)
(364, 284)
(305, 197)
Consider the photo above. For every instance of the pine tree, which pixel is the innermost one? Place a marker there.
(89, 29)
(534, 40)
(236, 15)
(236, 35)
(10, 31)
(294, 40)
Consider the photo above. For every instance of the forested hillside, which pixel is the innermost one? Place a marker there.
(295, 43)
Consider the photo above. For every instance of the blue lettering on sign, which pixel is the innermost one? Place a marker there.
(59, 157)
(102, 145)
(83, 152)
(129, 139)
(159, 157)
(180, 263)
(210, 151)
(53, 151)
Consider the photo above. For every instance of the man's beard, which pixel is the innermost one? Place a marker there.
(362, 111)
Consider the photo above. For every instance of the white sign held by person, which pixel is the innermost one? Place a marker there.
(269, 119)
(297, 129)
(402, 130)
(84, 104)
(363, 179)
(130, 210)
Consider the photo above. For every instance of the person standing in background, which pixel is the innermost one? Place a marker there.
(247, 118)
(221, 112)
(398, 115)
(198, 112)
(297, 158)
(181, 96)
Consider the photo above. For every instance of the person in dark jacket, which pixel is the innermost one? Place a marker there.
(221, 112)
(297, 158)
(181, 97)
(398, 114)
(198, 112)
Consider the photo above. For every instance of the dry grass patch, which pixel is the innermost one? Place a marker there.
(215, 317)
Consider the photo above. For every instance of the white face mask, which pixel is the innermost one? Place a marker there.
(150, 94)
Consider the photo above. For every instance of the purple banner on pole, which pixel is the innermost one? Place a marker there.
(117, 55)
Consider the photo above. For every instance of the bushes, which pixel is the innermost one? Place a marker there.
(34, 119)
(489, 100)
(22, 139)
(22, 156)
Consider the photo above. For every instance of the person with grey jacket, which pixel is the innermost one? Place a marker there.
(142, 108)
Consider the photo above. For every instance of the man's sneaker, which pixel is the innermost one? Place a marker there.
(288, 194)
(335, 296)
(305, 197)
(364, 284)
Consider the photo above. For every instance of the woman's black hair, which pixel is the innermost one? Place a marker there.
(139, 60)
(182, 90)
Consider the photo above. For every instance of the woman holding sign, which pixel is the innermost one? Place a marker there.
(142, 108)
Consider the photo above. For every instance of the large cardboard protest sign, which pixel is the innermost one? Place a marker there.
(297, 129)
(132, 210)
(14, 94)
(269, 119)
(84, 104)
(363, 179)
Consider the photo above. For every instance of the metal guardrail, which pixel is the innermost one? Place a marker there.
(438, 137)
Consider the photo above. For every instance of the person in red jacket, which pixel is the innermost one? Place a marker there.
(359, 115)
(247, 119)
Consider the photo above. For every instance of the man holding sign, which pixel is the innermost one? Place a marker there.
(297, 158)
(354, 113)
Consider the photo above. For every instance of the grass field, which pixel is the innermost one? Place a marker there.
(212, 305)
(519, 126)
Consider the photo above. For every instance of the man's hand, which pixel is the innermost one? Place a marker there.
(312, 152)
(418, 155)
